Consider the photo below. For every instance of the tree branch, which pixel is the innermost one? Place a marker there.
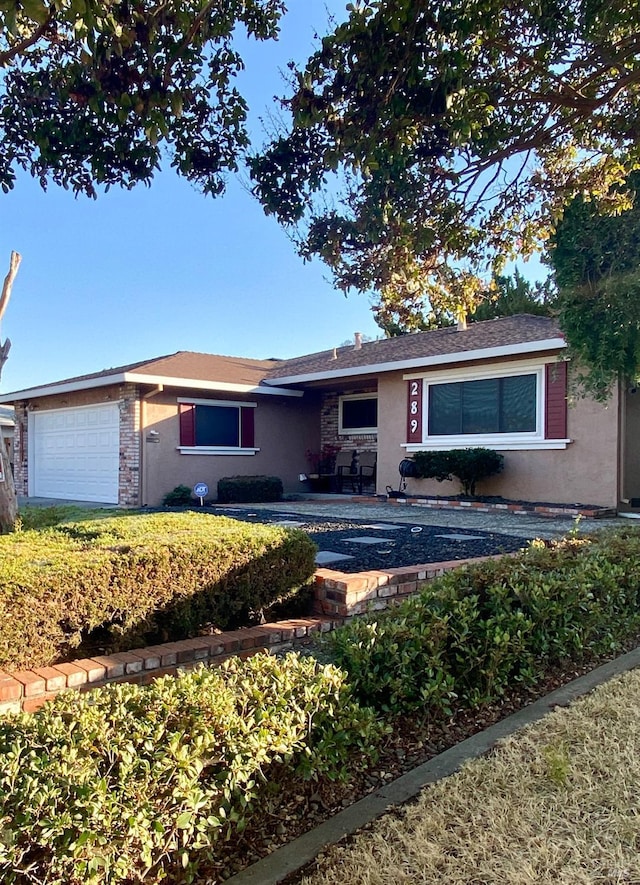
(9, 54)
(14, 264)
(193, 30)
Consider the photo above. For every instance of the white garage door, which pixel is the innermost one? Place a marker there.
(75, 453)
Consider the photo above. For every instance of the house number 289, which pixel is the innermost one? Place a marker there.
(414, 417)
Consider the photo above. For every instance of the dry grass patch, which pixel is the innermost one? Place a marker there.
(557, 803)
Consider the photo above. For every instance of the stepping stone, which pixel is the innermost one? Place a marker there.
(455, 537)
(383, 527)
(364, 540)
(324, 557)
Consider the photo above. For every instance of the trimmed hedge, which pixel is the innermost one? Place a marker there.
(469, 466)
(132, 784)
(477, 630)
(138, 577)
(249, 489)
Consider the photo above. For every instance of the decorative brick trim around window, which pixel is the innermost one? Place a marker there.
(329, 422)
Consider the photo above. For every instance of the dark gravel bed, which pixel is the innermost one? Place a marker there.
(396, 544)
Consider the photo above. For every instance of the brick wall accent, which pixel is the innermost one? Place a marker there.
(338, 596)
(129, 471)
(329, 424)
(20, 464)
(521, 509)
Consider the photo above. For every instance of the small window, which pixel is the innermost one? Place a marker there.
(492, 405)
(358, 414)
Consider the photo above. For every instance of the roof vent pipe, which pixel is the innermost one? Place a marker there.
(461, 317)
(358, 340)
(334, 355)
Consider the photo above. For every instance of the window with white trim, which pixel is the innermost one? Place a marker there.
(216, 427)
(489, 405)
(358, 413)
(505, 407)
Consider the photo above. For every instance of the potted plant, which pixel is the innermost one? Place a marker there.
(322, 467)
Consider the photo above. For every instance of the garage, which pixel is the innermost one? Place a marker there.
(76, 453)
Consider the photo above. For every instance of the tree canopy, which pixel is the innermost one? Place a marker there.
(431, 141)
(596, 262)
(508, 296)
(92, 92)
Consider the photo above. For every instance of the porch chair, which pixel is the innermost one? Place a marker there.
(346, 469)
(367, 472)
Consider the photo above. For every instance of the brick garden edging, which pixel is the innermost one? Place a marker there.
(338, 596)
(521, 509)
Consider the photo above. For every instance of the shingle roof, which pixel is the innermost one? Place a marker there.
(183, 364)
(212, 368)
(208, 367)
(519, 329)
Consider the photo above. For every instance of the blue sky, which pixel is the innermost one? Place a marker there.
(143, 273)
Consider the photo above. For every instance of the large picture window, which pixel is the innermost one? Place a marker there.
(216, 427)
(358, 413)
(490, 405)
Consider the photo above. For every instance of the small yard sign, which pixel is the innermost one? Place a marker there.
(201, 490)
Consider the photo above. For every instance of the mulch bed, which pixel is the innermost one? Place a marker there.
(406, 545)
(292, 807)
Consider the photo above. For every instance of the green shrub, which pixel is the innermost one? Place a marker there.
(181, 496)
(137, 578)
(249, 489)
(45, 517)
(479, 629)
(469, 466)
(132, 784)
(432, 465)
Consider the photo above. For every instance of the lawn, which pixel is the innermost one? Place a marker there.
(557, 803)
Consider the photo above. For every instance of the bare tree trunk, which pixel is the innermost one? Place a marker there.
(8, 499)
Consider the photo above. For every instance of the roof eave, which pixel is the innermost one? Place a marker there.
(486, 353)
(138, 378)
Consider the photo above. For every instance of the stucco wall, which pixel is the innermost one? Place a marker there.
(284, 429)
(585, 472)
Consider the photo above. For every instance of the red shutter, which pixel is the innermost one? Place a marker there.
(187, 413)
(414, 411)
(555, 419)
(247, 433)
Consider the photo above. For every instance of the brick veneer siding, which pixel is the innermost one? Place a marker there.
(329, 422)
(129, 471)
(20, 463)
